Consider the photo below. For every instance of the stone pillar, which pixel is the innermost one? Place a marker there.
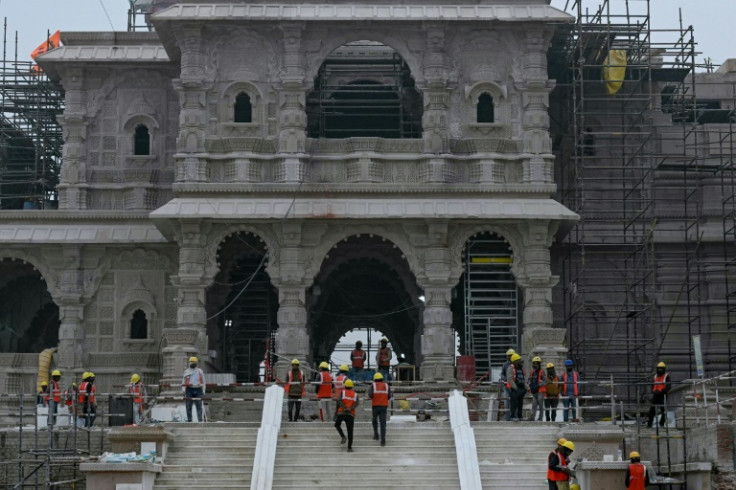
(292, 340)
(292, 108)
(191, 159)
(189, 337)
(436, 101)
(70, 353)
(72, 191)
(438, 346)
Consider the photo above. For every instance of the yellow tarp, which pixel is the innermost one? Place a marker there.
(614, 70)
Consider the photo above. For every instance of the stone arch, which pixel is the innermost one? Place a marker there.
(231, 92)
(462, 234)
(219, 235)
(48, 275)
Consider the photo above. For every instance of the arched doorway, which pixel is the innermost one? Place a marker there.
(29, 318)
(241, 308)
(365, 284)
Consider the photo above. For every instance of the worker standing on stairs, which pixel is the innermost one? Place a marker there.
(383, 359)
(662, 385)
(537, 387)
(636, 473)
(516, 384)
(294, 390)
(502, 379)
(551, 393)
(138, 390)
(193, 386)
(379, 393)
(346, 407)
(324, 391)
(558, 473)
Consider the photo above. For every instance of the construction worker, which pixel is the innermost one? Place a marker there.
(340, 380)
(502, 379)
(358, 358)
(55, 398)
(636, 474)
(138, 390)
(383, 359)
(380, 394)
(87, 401)
(661, 386)
(295, 390)
(516, 384)
(537, 387)
(346, 407)
(570, 391)
(558, 473)
(324, 391)
(551, 393)
(42, 398)
(193, 386)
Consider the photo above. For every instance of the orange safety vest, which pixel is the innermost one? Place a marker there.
(660, 383)
(83, 392)
(290, 379)
(358, 358)
(574, 383)
(45, 398)
(55, 391)
(518, 381)
(136, 389)
(325, 387)
(201, 381)
(380, 394)
(557, 475)
(349, 398)
(540, 372)
(637, 476)
(384, 359)
(339, 384)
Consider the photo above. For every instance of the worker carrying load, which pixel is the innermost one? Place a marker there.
(558, 472)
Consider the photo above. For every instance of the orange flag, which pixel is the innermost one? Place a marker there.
(51, 43)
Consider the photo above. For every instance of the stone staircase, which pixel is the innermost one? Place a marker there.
(514, 454)
(416, 456)
(211, 456)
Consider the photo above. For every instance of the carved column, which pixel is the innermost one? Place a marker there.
(436, 103)
(535, 89)
(189, 337)
(72, 191)
(292, 107)
(70, 353)
(191, 159)
(539, 338)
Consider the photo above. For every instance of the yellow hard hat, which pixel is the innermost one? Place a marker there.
(44, 383)
(537, 359)
(634, 454)
(85, 375)
(661, 364)
(74, 385)
(135, 378)
(344, 367)
(550, 365)
(91, 374)
(561, 441)
(569, 445)
(377, 377)
(349, 383)
(55, 372)
(574, 486)
(193, 359)
(295, 362)
(324, 365)
(510, 352)
(515, 357)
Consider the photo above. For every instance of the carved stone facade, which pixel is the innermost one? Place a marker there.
(207, 176)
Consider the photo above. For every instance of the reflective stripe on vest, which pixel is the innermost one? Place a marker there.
(349, 397)
(384, 357)
(557, 475)
(637, 478)
(380, 394)
(660, 383)
(325, 387)
(201, 381)
(339, 384)
(55, 391)
(83, 391)
(574, 383)
(358, 357)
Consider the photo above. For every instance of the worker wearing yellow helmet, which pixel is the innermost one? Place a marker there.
(537, 387)
(137, 391)
(516, 385)
(295, 390)
(502, 379)
(87, 398)
(380, 394)
(558, 473)
(54, 395)
(340, 380)
(193, 386)
(660, 388)
(323, 385)
(383, 359)
(636, 473)
(346, 409)
(42, 399)
(551, 393)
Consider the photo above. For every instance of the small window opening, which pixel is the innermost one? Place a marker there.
(142, 141)
(139, 325)
(243, 109)
(485, 108)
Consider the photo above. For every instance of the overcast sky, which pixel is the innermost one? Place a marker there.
(713, 20)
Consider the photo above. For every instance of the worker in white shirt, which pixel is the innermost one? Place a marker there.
(193, 386)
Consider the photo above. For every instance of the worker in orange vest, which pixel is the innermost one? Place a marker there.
(383, 359)
(537, 387)
(570, 391)
(294, 390)
(323, 382)
(42, 398)
(340, 380)
(661, 386)
(87, 401)
(516, 384)
(551, 393)
(358, 358)
(636, 473)
(558, 473)
(380, 394)
(346, 409)
(55, 398)
(138, 390)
